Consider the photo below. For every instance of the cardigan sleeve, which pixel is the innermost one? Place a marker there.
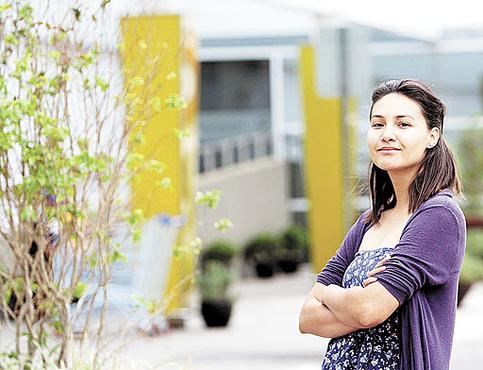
(334, 270)
(429, 251)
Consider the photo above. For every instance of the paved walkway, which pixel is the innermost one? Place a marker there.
(263, 333)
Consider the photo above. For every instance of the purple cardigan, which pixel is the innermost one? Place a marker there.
(422, 275)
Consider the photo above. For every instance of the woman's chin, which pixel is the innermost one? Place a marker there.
(388, 166)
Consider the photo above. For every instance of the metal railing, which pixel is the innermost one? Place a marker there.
(226, 152)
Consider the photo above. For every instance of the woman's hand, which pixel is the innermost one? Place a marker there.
(379, 268)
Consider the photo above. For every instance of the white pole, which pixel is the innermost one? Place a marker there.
(277, 103)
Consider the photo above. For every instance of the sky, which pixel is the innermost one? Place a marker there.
(423, 18)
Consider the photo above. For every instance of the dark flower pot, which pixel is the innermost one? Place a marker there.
(264, 270)
(463, 288)
(288, 266)
(216, 314)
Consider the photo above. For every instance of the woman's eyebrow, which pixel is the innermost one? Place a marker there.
(398, 116)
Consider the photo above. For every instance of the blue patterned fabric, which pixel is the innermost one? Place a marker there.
(369, 349)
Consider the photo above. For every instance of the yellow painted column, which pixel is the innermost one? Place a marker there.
(323, 165)
(160, 69)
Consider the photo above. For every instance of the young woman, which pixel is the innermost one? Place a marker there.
(388, 296)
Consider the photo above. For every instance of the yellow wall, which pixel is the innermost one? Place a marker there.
(154, 50)
(323, 165)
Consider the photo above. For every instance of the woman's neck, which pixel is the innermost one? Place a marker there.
(400, 182)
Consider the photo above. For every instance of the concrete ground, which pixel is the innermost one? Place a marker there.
(263, 333)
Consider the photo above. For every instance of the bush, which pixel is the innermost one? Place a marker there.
(293, 238)
(472, 269)
(293, 243)
(261, 249)
(214, 282)
(474, 243)
(222, 251)
(468, 145)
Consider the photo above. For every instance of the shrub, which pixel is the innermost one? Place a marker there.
(293, 243)
(293, 238)
(214, 282)
(472, 269)
(262, 249)
(474, 243)
(222, 251)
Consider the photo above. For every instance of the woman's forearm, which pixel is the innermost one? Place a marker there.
(345, 304)
(317, 319)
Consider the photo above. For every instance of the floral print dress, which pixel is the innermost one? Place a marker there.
(369, 349)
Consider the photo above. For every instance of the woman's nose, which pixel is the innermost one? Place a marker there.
(388, 134)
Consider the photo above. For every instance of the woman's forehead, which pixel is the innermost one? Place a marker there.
(395, 106)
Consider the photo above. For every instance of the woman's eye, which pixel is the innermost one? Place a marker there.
(404, 124)
(375, 124)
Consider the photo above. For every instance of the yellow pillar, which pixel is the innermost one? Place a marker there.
(154, 53)
(323, 165)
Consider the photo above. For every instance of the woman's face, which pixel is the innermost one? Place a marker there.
(398, 135)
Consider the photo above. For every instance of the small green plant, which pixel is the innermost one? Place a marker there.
(261, 249)
(474, 243)
(472, 170)
(220, 250)
(214, 282)
(472, 269)
(293, 242)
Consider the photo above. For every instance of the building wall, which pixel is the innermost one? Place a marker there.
(254, 197)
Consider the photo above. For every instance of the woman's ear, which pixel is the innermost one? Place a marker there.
(434, 136)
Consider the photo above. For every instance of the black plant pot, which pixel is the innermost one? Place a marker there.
(216, 314)
(288, 266)
(463, 288)
(264, 270)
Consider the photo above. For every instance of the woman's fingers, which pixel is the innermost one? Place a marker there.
(381, 262)
(368, 281)
(379, 268)
(376, 270)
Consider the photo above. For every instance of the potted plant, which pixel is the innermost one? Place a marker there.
(471, 169)
(291, 249)
(261, 253)
(472, 269)
(216, 300)
(220, 250)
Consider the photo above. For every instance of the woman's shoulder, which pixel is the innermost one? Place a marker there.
(444, 198)
(442, 204)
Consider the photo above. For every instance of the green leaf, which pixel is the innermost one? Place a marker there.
(77, 13)
(58, 327)
(11, 39)
(166, 183)
(136, 235)
(223, 225)
(176, 101)
(208, 199)
(181, 134)
(79, 290)
(134, 160)
(28, 214)
(117, 256)
(104, 3)
(156, 104)
(135, 217)
(136, 82)
(93, 260)
(156, 166)
(100, 83)
(4, 7)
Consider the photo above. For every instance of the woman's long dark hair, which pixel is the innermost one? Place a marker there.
(438, 169)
